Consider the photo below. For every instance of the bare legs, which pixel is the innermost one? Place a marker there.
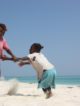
(48, 92)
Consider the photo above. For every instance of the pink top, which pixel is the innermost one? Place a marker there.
(3, 45)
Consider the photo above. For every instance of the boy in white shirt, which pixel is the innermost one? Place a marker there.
(46, 72)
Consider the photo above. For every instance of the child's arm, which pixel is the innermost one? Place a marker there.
(22, 63)
(11, 54)
(22, 59)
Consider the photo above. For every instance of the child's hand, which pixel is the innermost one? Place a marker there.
(4, 57)
(21, 64)
(14, 58)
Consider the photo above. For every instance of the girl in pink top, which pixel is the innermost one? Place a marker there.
(4, 45)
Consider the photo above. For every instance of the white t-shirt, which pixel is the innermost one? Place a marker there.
(40, 63)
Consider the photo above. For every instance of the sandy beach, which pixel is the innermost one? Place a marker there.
(13, 93)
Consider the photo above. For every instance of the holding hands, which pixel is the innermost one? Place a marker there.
(4, 57)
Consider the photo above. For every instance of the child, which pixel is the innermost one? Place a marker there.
(4, 45)
(45, 70)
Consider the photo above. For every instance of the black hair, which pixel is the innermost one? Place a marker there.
(3, 26)
(37, 46)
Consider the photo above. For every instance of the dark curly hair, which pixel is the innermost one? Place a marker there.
(37, 46)
(3, 26)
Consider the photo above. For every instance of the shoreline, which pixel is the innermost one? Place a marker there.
(71, 80)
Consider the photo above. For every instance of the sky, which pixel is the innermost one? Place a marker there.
(53, 23)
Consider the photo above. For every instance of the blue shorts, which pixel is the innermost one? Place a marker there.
(48, 79)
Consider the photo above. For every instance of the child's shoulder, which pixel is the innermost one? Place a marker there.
(33, 54)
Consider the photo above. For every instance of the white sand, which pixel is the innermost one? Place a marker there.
(25, 94)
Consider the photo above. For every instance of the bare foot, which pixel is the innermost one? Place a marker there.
(48, 94)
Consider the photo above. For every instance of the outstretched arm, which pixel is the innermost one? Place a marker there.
(11, 54)
(22, 59)
(23, 63)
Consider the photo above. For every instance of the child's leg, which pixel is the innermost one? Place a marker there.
(44, 90)
(48, 92)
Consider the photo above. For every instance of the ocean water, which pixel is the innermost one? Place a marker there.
(72, 80)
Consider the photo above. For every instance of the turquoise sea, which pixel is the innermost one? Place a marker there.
(72, 80)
